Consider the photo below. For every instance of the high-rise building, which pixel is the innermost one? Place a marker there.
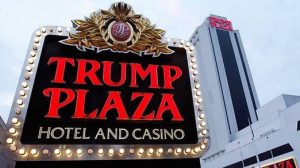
(243, 134)
(227, 84)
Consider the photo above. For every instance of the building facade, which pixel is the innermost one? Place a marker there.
(243, 134)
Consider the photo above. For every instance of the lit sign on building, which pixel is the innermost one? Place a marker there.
(287, 163)
(220, 23)
(112, 87)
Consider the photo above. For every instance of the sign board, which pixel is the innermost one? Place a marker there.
(110, 88)
(220, 23)
(286, 163)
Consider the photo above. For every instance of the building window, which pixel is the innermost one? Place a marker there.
(298, 127)
(264, 156)
(235, 165)
(250, 161)
(282, 150)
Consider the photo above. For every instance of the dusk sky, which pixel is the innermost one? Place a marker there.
(269, 31)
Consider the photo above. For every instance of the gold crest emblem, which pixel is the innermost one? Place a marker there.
(118, 29)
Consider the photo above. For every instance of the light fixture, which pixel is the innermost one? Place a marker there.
(15, 121)
(33, 152)
(24, 84)
(90, 151)
(178, 150)
(187, 150)
(100, 151)
(202, 146)
(79, 152)
(141, 151)
(38, 33)
(197, 86)
(12, 130)
(150, 151)
(32, 53)
(43, 29)
(9, 140)
(160, 151)
(13, 148)
(131, 151)
(170, 150)
(110, 152)
(20, 102)
(68, 152)
(46, 152)
(121, 151)
(57, 152)
(28, 68)
(22, 93)
(22, 151)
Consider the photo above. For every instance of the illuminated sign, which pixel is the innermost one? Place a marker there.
(287, 163)
(110, 88)
(220, 23)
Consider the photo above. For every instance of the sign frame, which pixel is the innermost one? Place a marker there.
(19, 151)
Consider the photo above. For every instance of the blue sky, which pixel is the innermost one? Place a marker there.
(269, 30)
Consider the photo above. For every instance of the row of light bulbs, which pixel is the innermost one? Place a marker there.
(22, 93)
(120, 152)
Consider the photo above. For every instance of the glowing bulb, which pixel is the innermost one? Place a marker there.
(197, 86)
(30, 61)
(28, 68)
(33, 151)
(150, 151)
(20, 102)
(191, 48)
(100, 151)
(198, 93)
(32, 53)
(197, 150)
(170, 150)
(43, 29)
(160, 151)
(188, 44)
(14, 120)
(59, 29)
(178, 150)
(202, 146)
(22, 93)
(68, 152)
(79, 152)
(199, 100)
(131, 151)
(90, 151)
(38, 33)
(36, 40)
(110, 152)
(24, 84)
(193, 60)
(204, 132)
(56, 151)
(181, 42)
(121, 151)
(46, 152)
(12, 130)
(202, 116)
(22, 151)
(203, 123)
(187, 150)
(141, 151)
(9, 140)
(195, 73)
(194, 66)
